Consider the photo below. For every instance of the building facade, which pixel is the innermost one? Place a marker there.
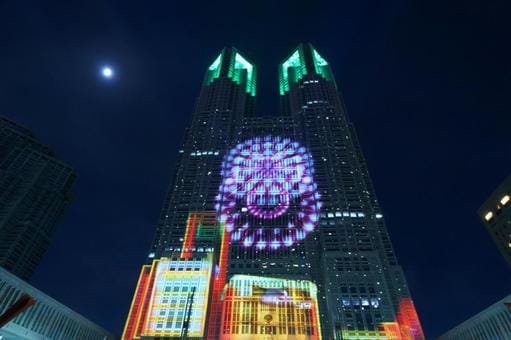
(270, 307)
(291, 201)
(35, 192)
(46, 319)
(494, 323)
(496, 216)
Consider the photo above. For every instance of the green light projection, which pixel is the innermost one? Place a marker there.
(294, 68)
(214, 69)
(236, 73)
(321, 66)
(240, 70)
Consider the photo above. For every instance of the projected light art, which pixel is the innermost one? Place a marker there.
(268, 198)
(256, 307)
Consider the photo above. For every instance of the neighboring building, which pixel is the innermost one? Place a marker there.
(35, 192)
(493, 323)
(290, 198)
(47, 319)
(496, 216)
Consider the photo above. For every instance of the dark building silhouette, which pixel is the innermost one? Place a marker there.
(35, 192)
(496, 216)
(300, 231)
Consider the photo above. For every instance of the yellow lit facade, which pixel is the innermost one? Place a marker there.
(180, 296)
(171, 299)
(267, 308)
(386, 331)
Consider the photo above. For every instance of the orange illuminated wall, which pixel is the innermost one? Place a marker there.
(409, 321)
(138, 310)
(268, 308)
(391, 330)
(219, 280)
(189, 240)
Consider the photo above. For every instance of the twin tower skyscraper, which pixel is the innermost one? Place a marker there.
(271, 228)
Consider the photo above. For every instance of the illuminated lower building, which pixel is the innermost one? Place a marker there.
(256, 307)
(287, 200)
(173, 293)
(172, 299)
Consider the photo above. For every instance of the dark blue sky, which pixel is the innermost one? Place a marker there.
(427, 84)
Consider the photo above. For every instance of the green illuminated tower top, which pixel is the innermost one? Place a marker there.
(230, 63)
(304, 60)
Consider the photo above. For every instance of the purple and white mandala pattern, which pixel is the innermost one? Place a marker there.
(268, 197)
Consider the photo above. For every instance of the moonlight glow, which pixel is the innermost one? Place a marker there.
(268, 198)
(107, 72)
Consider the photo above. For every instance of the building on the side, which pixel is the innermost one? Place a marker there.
(35, 192)
(289, 198)
(47, 319)
(496, 216)
(493, 323)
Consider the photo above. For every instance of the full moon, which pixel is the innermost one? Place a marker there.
(107, 72)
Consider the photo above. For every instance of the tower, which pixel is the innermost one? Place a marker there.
(35, 192)
(227, 94)
(360, 280)
(278, 214)
(187, 234)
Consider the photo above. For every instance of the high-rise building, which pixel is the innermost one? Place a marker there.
(45, 319)
(491, 324)
(35, 192)
(496, 216)
(289, 203)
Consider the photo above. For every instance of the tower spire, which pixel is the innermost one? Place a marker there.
(304, 60)
(232, 64)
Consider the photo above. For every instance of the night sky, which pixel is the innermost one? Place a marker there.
(427, 84)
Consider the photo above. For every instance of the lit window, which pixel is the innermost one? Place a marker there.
(505, 199)
(379, 216)
(488, 216)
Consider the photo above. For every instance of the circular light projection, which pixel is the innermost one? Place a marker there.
(268, 197)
